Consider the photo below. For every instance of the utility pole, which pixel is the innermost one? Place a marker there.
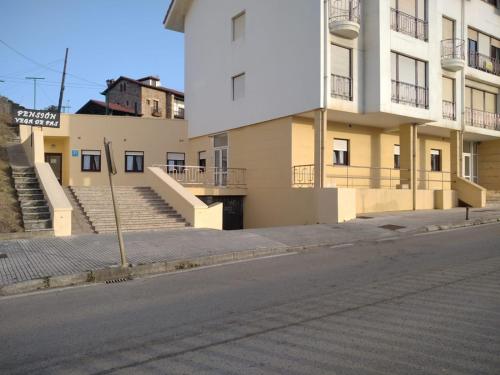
(65, 107)
(61, 93)
(35, 79)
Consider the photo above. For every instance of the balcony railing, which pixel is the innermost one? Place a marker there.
(341, 87)
(345, 10)
(410, 94)
(156, 112)
(179, 113)
(453, 49)
(485, 63)
(409, 25)
(449, 111)
(482, 119)
(207, 176)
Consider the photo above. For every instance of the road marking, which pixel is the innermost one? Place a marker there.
(341, 246)
(388, 239)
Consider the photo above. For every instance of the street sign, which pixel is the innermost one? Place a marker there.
(35, 117)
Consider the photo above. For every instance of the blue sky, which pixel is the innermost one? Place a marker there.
(106, 39)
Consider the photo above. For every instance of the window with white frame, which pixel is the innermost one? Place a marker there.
(435, 160)
(239, 26)
(91, 161)
(176, 162)
(134, 161)
(238, 87)
(340, 151)
(202, 160)
(397, 157)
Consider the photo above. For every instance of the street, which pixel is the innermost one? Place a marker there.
(425, 304)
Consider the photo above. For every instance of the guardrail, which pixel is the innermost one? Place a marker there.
(434, 180)
(179, 113)
(342, 87)
(409, 25)
(453, 49)
(449, 111)
(485, 63)
(345, 10)
(482, 119)
(410, 94)
(206, 176)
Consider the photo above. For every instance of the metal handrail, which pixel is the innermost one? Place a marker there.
(206, 176)
(453, 49)
(410, 94)
(344, 10)
(428, 180)
(342, 87)
(409, 25)
(485, 63)
(449, 111)
(179, 113)
(482, 119)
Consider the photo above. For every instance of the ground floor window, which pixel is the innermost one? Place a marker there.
(340, 151)
(435, 160)
(175, 162)
(134, 161)
(91, 161)
(202, 160)
(397, 157)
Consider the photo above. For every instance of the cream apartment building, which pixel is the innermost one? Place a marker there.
(341, 107)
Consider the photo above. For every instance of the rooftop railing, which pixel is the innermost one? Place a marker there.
(410, 94)
(485, 63)
(206, 176)
(342, 87)
(409, 25)
(482, 119)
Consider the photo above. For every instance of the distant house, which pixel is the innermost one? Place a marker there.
(98, 107)
(145, 97)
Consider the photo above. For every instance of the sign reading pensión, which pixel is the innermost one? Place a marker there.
(35, 117)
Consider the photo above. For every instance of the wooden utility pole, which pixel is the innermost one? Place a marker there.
(61, 93)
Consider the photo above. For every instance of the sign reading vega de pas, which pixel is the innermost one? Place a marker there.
(35, 117)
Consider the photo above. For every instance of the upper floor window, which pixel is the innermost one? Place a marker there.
(238, 86)
(202, 160)
(238, 26)
(484, 52)
(409, 81)
(341, 72)
(449, 111)
(410, 17)
(435, 160)
(176, 161)
(134, 161)
(397, 156)
(481, 108)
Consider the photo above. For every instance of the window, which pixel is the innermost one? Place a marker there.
(448, 29)
(239, 87)
(175, 162)
(134, 161)
(435, 160)
(410, 17)
(397, 157)
(202, 160)
(239, 26)
(340, 151)
(91, 161)
(341, 72)
(449, 98)
(409, 81)
(484, 52)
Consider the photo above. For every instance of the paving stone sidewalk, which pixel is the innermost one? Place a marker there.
(29, 259)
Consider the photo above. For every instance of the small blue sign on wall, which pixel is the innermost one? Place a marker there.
(75, 153)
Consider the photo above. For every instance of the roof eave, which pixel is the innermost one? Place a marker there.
(174, 19)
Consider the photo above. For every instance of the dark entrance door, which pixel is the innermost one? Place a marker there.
(232, 210)
(55, 162)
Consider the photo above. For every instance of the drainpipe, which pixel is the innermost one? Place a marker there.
(462, 98)
(324, 104)
(414, 135)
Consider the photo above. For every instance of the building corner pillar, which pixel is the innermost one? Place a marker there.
(408, 137)
(320, 129)
(456, 152)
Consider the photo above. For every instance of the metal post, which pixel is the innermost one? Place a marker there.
(112, 171)
(467, 213)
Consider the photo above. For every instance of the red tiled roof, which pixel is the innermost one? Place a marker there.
(112, 106)
(164, 89)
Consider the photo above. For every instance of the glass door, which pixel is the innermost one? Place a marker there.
(220, 159)
(55, 162)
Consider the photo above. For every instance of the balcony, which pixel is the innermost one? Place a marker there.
(156, 112)
(449, 110)
(179, 113)
(482, 119)
(409, 25)
(453, 54)
(196, 176)
(344, 18)
(341, 87)
(410, 94)
(485, 63)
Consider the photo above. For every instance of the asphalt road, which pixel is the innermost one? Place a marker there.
(423, 305)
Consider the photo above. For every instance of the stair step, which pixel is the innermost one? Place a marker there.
(34, 225)
(33, 209)
(36, 215)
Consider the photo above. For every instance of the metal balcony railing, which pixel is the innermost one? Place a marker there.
(410, 94)
(482, 119)
(344, 10)
(179, 113)
(449, 110)
(453, 49)
(485, 63)
(409, 25)
(207, 176)
(342, 87)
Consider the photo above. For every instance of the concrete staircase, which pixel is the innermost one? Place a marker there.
(34, 208)
(493, 197)
(141, 209)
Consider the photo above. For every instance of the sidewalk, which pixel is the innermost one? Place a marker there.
(39, 263)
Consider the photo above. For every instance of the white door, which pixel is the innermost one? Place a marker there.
(220, 159)
(467, 166)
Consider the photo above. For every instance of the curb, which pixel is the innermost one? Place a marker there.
(117, 274)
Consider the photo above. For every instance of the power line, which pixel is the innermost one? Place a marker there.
(35, 79)
(45, 66)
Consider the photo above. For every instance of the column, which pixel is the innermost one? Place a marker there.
(320, 127)
(456, 154)
(408, 148)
